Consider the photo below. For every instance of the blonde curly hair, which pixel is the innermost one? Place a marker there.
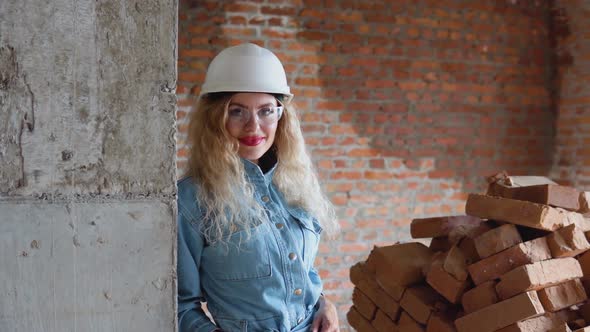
(215, 166)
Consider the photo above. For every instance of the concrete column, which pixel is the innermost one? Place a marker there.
(87, 165)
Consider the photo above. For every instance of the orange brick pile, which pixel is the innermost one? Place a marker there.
(517, 261)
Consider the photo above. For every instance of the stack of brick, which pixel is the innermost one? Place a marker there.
(518, 261)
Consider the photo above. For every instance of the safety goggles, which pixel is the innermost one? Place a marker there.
(266, 115)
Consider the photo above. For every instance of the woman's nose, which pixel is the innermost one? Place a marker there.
(252, 121)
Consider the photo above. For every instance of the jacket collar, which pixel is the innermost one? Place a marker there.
(256, 174)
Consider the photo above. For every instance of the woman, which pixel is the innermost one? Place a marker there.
(250, 210)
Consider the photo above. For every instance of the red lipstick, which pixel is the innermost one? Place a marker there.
(251, 140)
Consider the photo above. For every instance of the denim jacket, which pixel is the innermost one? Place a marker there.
(266, 283)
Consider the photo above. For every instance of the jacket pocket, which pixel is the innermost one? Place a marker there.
(311, 230)
(241, 257)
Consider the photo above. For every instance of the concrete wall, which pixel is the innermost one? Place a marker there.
(87, 165)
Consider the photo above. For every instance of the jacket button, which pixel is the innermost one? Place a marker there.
(265, 199)
(280, 225)
(292, 256)
(298, 291)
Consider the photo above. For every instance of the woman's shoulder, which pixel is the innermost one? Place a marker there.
(185, 183)
(187, 196)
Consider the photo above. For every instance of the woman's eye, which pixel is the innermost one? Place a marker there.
(235, 112)
(267, 111)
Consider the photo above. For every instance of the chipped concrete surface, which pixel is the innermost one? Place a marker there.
(99, 79)
(87, 165)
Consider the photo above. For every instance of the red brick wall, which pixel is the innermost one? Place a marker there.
(405, 104)
(571, 26)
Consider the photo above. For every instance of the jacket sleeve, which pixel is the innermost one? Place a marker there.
(191, 318)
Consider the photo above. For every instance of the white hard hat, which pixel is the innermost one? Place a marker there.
(246, 68)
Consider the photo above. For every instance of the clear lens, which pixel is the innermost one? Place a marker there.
(265, 116)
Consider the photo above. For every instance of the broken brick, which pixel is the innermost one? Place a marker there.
(357, 273)
(439, 322)
(398, 266)
(455, 263)
(563, 295)
(501, 314)
(496, 240)
(561, 328)
(363, 304)
(440, 226)
(480, 297)
(549, 194)
(496, 265)
(387, 304)
(383, 323)
(584, 200)
(356, 320)
(537, 324)
(444, 283)
(568, 241)
(440, 244)
(517, 212)
(419, 302)
(408, 324)
(538, 275)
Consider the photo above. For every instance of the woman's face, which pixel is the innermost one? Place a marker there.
(252, 120)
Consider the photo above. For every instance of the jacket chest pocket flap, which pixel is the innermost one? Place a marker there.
(311, 231)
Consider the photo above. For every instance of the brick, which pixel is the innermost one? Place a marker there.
(583, 329)
(408, 324)
(479, 297)
(538, 324)
(549, 194)
(501, 314)
(470, 231)
(440, 244)
(444, 283)
(455, 263)
(496, 240)
(398, 266)
(503, 179)
(583, 222)
(517, 212)
(370, 288)
(568, 241)
(356, 320)
(357, 273)
(440, 226)
(387, 304)
(496, 265)
(562, 296)
(561, 328)
(467, 246)
(438, 259)
(439, 322)
(466, 240)
(585, 311)
(584, 200)
(363, 304)
(570, 315)
(586, 284)
(383, 323)
(538, 275)
(584, 260)
(419, 302)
